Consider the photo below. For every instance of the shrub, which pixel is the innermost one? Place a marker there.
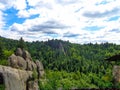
(4, 62)
(35, 74)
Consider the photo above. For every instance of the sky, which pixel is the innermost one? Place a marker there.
(79, 21)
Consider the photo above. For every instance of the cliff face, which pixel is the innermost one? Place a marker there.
(15, 79)
(22, 73)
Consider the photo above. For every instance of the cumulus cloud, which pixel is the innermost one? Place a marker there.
(47, 28)
(115, 30)
(80, 21)
(17, 4)
(27, 13)
(97, 14)
(64, 2)
(48, 25)
(68, 34)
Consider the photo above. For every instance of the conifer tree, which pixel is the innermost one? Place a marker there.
(21, 44)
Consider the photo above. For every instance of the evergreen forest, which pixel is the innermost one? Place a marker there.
(68, 65)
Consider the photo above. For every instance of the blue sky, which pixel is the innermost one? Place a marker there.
(79, 21)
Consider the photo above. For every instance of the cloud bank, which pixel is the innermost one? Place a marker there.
(79, 21)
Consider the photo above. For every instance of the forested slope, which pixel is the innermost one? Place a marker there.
(68, 64)
(61, 55)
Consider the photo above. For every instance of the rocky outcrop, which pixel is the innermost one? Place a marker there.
(116, 74)
(40, 68)
(15, 79)
(22, 71)
(21, 59)
(17, 62)
(19, 52)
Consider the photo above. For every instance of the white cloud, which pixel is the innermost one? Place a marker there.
(1, 19)
(19, 4)
(33, 2)
(63, 19)
(4, 4)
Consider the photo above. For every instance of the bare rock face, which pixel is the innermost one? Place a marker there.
(12, 60)
(15, 79)
(22, 60)
(23, 53)
(26, 55)
(23, 73)
(17, 62)
(21, 63)
(40, 68)
(31, 65)
(116, 74)
(39, 65)
(19, 52)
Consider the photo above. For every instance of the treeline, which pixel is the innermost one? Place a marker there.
(85, 64)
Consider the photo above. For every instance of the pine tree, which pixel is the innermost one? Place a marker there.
(21, 44)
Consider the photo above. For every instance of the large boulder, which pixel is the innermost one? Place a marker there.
(26, 55)
(23, 53)
(17, 62)
(19, 52)
(15, 79)
(12, 60)
(21, 63)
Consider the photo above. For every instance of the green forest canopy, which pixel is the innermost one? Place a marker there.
(68, 64)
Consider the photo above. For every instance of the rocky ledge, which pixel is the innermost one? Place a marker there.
(22, 73)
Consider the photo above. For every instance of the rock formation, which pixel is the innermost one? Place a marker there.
(17, 62)
(15, 79)
(116, 74)
(114, 58)
(22, 60)
(20, 75)
(40, 68)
